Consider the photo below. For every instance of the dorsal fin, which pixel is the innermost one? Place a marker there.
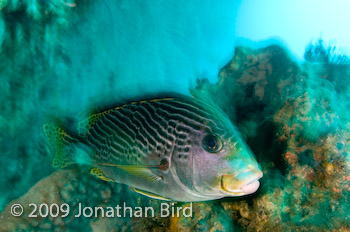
(85, 125)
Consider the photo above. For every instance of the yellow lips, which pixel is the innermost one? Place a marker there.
(241, 184)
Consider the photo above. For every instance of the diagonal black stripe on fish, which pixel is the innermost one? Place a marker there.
(173, 148)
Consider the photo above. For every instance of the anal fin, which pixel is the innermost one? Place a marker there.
(151, 195)
(99, 174)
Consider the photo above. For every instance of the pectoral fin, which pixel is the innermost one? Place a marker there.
(151, 195)
(142, 171)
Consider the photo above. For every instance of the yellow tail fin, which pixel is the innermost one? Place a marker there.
(60, 140)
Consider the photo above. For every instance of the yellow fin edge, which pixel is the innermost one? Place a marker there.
(137, 170)
(151, 195)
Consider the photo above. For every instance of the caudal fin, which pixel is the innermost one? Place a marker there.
(62, 143)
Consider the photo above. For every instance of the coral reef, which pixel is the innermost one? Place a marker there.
(302, 112)
(298, 131)
(293, 115)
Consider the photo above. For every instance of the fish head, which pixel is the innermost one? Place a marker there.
(222, 163)
(224, 167)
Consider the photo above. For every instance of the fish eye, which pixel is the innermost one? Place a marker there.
(212, 143)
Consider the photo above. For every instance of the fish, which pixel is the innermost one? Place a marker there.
(175, 148)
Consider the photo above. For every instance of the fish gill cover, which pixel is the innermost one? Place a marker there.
(61, 59)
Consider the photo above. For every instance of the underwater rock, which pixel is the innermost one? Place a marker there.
(63, 186)
(305, 160)
(78, 189)
(301, 112)
(295, 118)
(75, 187)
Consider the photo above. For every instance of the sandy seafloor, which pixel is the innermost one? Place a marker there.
(63, 59)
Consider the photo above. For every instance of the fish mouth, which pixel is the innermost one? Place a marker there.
(241, 184)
